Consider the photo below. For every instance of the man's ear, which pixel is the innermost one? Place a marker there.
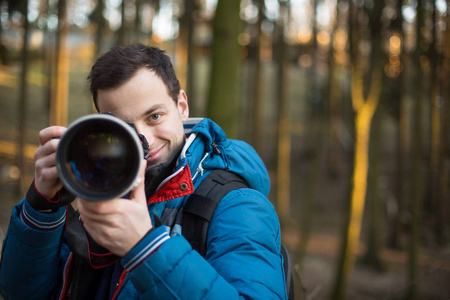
(183, 107)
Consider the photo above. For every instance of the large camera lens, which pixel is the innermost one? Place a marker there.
(99, 158)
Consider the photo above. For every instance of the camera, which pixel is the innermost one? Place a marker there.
(100, 157)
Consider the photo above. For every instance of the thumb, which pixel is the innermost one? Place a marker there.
(138, 194)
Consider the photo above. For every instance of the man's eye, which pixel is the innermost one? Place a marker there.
(155, 117)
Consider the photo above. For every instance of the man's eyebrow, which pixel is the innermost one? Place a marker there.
(152, 110)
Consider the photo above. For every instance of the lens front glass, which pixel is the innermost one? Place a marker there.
(100, 158)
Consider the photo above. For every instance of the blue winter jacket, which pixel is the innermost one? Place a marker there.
(243, 244)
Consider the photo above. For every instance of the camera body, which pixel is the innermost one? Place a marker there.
(100, 157)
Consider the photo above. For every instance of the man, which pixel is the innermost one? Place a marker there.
(137, 84)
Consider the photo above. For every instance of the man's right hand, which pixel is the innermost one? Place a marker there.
(46, 177)
(46, 193)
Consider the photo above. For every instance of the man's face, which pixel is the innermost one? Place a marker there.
(144, 101)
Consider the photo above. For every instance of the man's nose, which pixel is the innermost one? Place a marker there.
(146, 132)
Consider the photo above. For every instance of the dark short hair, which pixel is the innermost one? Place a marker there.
(118, 65)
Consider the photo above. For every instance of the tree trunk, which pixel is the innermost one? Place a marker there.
(372, 258)
(190, 12)
(60, 78)
(101, 24)
(4, 59)
(314, 136)
(417, 176)
(184, 66)
(224, 97)
(364, 109)
(121, 35)
(284, 121)
(258, 99)
(437, 157)
(444, 165)
(23, 101)
(396, 205)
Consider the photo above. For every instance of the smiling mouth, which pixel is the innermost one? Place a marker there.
(154, 153)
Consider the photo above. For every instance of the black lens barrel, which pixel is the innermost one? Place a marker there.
(99, 157)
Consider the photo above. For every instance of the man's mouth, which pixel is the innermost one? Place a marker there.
(154, 155)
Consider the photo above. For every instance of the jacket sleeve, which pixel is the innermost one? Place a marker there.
(242, 261)
(31, 260)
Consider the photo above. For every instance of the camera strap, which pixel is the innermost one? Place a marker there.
(83, 246)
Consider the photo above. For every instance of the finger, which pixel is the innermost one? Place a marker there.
(45, 161)
(92, 208)
(49, 174)
(49, 133)
(46, 149)
(138, 194)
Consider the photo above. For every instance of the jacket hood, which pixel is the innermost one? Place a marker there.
(208, 148)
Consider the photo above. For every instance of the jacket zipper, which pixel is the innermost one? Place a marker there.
(65, 284)
(119, 284)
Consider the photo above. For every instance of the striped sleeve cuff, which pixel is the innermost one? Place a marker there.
(42, 221)
(146, 247)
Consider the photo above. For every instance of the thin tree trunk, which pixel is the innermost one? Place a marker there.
(184, 52)
(122, 29)
(372, 258)
(258, 99)
(191, 10)
(417, 176)
(437, 114)
(60, 78)
(284, 121)
(364, 109)
(4, 60)
(23, 102)
(396, 205)
(444, 165)
(101, 23)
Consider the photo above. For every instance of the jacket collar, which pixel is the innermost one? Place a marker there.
(180, 182)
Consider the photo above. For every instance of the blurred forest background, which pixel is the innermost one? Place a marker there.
(347, 102)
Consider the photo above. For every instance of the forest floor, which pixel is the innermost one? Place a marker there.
(319, 264)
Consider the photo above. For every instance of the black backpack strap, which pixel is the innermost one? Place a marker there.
(200, 206)
(199, 210)
(287, 271)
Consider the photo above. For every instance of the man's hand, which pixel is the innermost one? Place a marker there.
(46, 177)
(118, 224)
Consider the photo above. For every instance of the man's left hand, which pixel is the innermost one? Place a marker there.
(117, 224)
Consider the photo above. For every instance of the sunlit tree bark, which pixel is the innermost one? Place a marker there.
(364, 108)
(372, 257)
(60, 75)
